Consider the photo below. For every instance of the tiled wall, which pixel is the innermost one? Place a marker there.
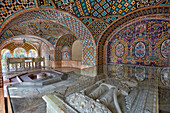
(143, 43)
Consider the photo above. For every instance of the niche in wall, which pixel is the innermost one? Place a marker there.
(77, 51)
(66, 53)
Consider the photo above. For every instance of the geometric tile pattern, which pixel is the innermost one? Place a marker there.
(122, 7)
(110, 19)
(64, 41)
(70, 22)
(101, 8)
(165, 2)
(44, 3)
(144, 40)
(10, 7)
(97, 28)
(87, 21)
(58, 53)
(82, 7)
(52, 40)
(6, 35)
(66, 5)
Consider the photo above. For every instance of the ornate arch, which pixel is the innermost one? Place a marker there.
(120, 22)
(65, 19)
(140, 37)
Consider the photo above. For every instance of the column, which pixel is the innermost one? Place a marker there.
(58, 57)
(27, 52)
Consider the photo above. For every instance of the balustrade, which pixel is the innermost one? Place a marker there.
(28, 62)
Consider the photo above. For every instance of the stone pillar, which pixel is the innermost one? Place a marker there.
(58, 57)
(27, 52)
(39, 50)
(12, 53)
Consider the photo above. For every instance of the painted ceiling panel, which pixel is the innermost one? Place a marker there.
(45, 29)
(12, 46)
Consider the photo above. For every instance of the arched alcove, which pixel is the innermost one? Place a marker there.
(66, 53)
(19, 52)
(32, 53)
(5, 53)
(77, 51)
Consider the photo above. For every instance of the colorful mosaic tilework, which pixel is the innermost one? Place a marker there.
(44, 3)
(66, 53)
(10, 7)
(97, 28)
(142, 43)
(82, 7)
(52, 40)
(146, 3)
(165, 2)
(79, 29)
(87, 21)
(155, 12)
(58, 53)
(110, 19)
(64, 41)
(42, 28)
(6, 35)
(66, 5)
(122, 7)
(101, 8)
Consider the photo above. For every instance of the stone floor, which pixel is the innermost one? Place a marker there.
(24, 102)
(29, 99)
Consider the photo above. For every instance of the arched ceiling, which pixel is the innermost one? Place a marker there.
(48, 30)
(92, 13)
(79, 8)
(11, 46)
(69, 13)
(66, 40)
(35, 41)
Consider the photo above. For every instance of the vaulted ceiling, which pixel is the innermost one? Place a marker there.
(48, 30)
(91, 21)
(96, 15)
